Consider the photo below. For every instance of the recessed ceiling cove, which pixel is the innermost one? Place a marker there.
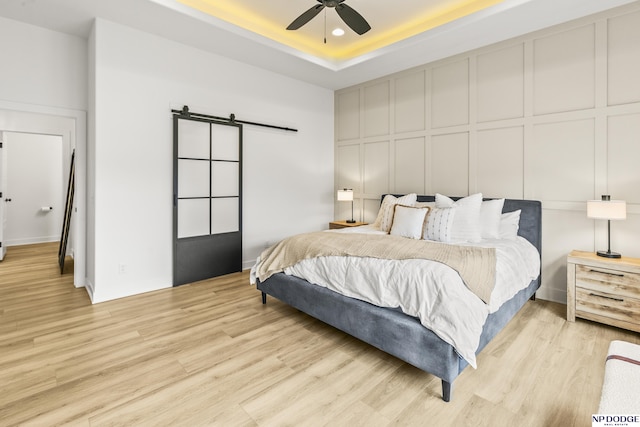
(390, 21)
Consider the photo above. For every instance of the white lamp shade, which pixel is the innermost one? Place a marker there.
(607, 209)
(345, 195)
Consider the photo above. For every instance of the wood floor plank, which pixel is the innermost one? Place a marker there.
(474, 413)
(520, 370)
(360, 414)
(195, 392)
(390, 396)
(210, 353)
(26, 383)
(93, 392)
(71, 358)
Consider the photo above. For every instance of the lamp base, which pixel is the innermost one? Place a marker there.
(351, 221)
(609, 254)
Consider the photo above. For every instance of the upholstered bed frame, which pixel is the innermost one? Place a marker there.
(391, 330)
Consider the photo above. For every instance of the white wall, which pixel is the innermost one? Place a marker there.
(139, 78)
(552, 116)
(42, 67)
(34, 180)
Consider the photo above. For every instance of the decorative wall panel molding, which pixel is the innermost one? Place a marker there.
(553, 115)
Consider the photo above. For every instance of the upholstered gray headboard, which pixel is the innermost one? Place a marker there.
(530, 217)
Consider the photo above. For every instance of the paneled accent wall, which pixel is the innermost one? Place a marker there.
(552, 116)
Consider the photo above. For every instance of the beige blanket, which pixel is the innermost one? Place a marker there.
(475, 265)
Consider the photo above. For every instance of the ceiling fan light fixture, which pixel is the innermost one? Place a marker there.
(338, 32)
(353, 19)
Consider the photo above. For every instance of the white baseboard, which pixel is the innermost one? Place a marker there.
(32, 240)
(554, 295)
(88, 285)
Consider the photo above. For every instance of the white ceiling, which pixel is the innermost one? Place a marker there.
(175, 21)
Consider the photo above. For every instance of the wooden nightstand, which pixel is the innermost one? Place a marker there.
(344, 224)
(604, 290)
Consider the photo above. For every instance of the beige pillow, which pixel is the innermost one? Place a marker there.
(385, 214)
(424, 204)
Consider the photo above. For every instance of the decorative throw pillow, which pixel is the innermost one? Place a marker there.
(466, 223)
(408, 221)
(385, 214)
(490, 217)
(439, 224)
(509, 225)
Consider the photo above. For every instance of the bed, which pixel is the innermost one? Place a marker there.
(401, 335)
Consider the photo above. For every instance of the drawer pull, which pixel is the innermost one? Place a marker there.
(606, 272)
(602, 296)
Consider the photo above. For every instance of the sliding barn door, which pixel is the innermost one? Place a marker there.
(207, 199)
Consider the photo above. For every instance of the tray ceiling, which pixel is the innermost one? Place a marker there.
(404, 34)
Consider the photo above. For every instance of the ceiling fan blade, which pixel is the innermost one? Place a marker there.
(305, 17)
(353, 19)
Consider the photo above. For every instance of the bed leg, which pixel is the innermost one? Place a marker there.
(264, 298)
(533, 297)
(446, 391)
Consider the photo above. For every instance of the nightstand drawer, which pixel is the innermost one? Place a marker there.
(606, 308)
(601, 280)
(605, 290)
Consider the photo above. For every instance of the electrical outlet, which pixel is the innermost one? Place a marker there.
(122, 268)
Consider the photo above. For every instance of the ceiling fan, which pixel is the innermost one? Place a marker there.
(353, 19)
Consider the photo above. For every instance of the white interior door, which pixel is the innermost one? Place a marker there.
(3, 180)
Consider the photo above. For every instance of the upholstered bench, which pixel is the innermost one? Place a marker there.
(621, 385)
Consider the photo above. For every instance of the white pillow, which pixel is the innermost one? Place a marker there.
(466, 223)
(385, 214)
(408, 221)
(509, 225)
(439, 224)
(490, 216)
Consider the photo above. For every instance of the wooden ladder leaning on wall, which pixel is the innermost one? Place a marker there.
(62, 251)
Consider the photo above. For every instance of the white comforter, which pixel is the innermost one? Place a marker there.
(428, 290)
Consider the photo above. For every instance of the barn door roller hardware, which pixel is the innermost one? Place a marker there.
(231, 119)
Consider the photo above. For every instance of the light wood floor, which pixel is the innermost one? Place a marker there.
(211, 354)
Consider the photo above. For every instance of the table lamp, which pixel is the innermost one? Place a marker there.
(346, 195)
(610, 210)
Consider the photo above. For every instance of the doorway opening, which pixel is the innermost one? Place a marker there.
(32, 188)
(69, 127)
